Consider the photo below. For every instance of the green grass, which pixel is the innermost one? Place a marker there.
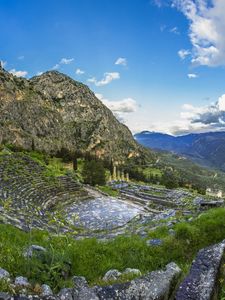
(222, 283)
(108, 190)
(90, 258)
(152, 171)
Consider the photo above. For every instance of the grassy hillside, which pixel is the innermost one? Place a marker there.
(91, 258)
(182, 170)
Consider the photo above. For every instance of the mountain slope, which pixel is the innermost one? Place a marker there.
(205, 148)
(52, 112)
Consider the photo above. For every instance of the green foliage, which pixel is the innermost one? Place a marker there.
(108, 190)
(55, 168)
(169, 179)
(93, 172)
(222, 283)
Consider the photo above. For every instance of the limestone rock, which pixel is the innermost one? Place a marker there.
(79, 282)
(132, 272)
(21, 281)
(4, 296)
(66, 294)
(85, 294)
(112, 275)
(157, 285)
(46, 290)
(4, 274)
(201, 282)
(33, 249)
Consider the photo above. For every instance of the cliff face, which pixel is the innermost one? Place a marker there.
(52, 111)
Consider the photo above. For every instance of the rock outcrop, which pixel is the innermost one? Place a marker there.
(54, 113)
(202, 281)
(157, 285)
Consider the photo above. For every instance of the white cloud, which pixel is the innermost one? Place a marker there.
(66, 61)
(206, 30)
(192, 75)
(21, 57)
(3, 63)
(183, 53)
(18, 73)
(63, 61)
(79, 72)
(107, 78)
(56, 67)
(192, 119)
(126, 105)
(120, 108)
(92, 80)
(174, 30)
(202, 118)
(39, 73)
(121, 61)
(221, 103)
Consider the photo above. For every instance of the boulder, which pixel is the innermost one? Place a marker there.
(112, 275)
(33, 249)
(66, 294)
(132, 272)
(157, 285)
(21, 281)
(4, 296)
(79, 282)
(201, 282)
(4, 274)
(46, 290)
(85, 293)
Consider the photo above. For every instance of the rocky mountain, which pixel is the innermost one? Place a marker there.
(52, 112)
(205, 148)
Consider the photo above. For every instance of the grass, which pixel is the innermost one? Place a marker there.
(222, 283)
(91, 258)
(108, 190)
(152, 171)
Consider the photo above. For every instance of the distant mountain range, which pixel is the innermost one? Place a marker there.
(207, 149)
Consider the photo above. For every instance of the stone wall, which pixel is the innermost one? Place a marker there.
(202, 280)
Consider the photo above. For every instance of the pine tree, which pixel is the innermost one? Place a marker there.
(93, 172)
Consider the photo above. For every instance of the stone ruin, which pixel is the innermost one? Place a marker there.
(202, 283)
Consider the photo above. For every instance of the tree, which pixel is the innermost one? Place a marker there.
(169, 179)
(93, 172)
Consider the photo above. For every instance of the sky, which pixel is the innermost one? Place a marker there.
(157, 64)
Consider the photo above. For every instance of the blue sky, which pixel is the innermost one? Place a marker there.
(159, 65)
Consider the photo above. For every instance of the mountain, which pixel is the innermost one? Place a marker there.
(205, 148)
(52, 112)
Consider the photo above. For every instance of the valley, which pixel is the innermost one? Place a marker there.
(206, 149)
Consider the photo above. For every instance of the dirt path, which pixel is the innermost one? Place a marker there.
(93, 192)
